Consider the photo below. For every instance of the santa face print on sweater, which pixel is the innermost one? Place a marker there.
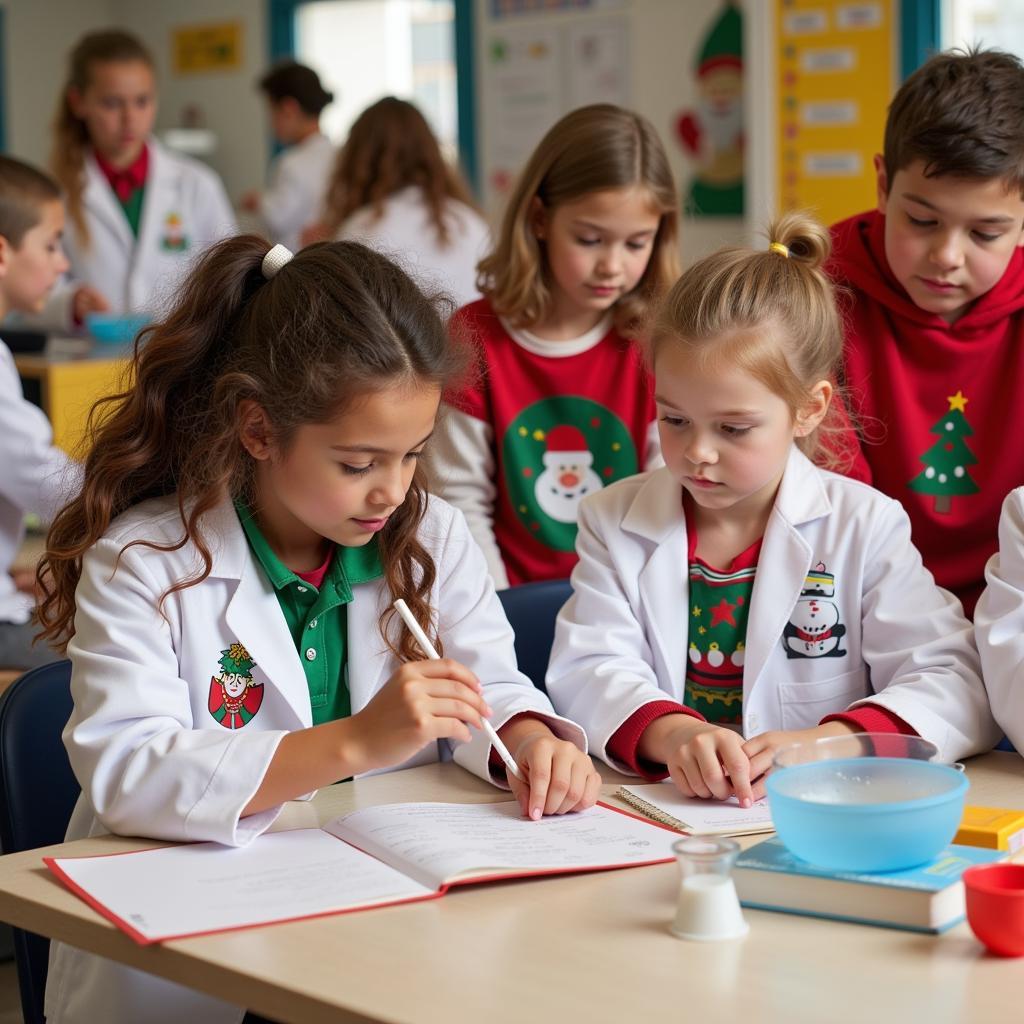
(557, 451)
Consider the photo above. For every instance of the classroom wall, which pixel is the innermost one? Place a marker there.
(38, 37)
(663, 40)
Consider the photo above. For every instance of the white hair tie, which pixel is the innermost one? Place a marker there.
(275, 260)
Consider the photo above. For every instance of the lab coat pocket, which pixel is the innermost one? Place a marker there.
(805, 704)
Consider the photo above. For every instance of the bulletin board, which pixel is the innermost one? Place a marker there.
(836, 73)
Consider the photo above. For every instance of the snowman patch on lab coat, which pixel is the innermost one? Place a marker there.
(814, 629)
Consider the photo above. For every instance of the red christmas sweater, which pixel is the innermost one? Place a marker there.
(559, 427)
(940, 404)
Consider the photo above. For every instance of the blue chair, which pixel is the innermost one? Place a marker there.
(1005, 744)
(532, 609)
(38, 791)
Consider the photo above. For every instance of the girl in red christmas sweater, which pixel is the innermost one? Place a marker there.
(562, 406)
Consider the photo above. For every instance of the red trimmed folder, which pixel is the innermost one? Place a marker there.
(374, 857)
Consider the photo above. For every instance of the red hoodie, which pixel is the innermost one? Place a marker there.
(940, 404)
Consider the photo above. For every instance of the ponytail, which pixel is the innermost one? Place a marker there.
(142, 440)
(70, 136)
(336, 321)
(771, 312)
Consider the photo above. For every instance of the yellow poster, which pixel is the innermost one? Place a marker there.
(836, 73)
(204, 48)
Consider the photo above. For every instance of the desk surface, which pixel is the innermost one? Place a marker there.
(584, 947)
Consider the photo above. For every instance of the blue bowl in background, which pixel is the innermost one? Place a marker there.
(115, 329)
(867, 802)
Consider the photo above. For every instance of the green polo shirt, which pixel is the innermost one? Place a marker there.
(317, 619)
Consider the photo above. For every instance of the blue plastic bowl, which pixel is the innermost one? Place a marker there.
(115, 329)
(868, 812)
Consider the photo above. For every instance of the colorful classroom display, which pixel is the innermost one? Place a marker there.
(835, 74)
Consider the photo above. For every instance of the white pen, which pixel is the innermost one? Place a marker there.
(428, 648)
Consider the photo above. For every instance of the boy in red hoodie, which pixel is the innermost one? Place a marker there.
(934, 362)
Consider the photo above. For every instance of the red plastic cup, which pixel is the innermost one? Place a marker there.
(995, 906)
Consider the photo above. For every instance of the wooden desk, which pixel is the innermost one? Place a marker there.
(592, 948)
(71, 379)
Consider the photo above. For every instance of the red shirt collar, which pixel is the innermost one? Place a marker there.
(126, 180)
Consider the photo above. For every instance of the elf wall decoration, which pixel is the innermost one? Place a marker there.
(712, 134)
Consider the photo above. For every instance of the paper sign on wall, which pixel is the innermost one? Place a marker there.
(198, 49)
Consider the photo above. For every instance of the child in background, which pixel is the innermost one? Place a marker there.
(34, 475)
(935, 319)
(740, 598)
(999, 622)
(138, 215)
(298, 177)
(563, 407)
(250, 511)
(393, 191)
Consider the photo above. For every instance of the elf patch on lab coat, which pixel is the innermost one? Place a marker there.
(184, 210)
(152, 755)
(621, 641)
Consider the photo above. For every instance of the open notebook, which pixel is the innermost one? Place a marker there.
(663, 802)
(394, 853)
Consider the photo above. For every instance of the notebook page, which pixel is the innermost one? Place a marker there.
(663, 802)
(437, 843)
(277, 877)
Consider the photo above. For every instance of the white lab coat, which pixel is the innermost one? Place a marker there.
(405, 232)
(34, 477)
(297, 184)
(621, 641)
(153, 761)
(183, 199)
(999, 622)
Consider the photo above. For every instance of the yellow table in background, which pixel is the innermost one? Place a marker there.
(72, 375)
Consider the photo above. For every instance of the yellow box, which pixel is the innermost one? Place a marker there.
(70, 386)
(996, 828)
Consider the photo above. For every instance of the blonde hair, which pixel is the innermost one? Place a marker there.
(592, 149)
(70, 136)
(770, 312)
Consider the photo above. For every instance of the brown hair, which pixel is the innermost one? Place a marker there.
(390, 147)
(962, 114)
(338, 321)
(772, 312)
(290, 80)
(592, 149)
(23, 190)
(70, 136)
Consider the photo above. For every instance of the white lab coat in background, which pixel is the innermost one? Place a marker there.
(621, 641)
(184, 211)
(297, 184)
(153, 761)
(34, 477)
(999, 622)
(406, 233)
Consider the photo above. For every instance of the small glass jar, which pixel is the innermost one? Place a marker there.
(708, 908)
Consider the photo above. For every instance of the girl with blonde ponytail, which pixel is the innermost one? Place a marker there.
(741, 598)
(138, 214)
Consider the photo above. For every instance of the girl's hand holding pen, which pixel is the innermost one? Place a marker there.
(423, 701)
(557, 776)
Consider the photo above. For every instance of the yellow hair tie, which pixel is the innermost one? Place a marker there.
(782, 250)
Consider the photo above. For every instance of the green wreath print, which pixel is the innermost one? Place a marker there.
(555, 453)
